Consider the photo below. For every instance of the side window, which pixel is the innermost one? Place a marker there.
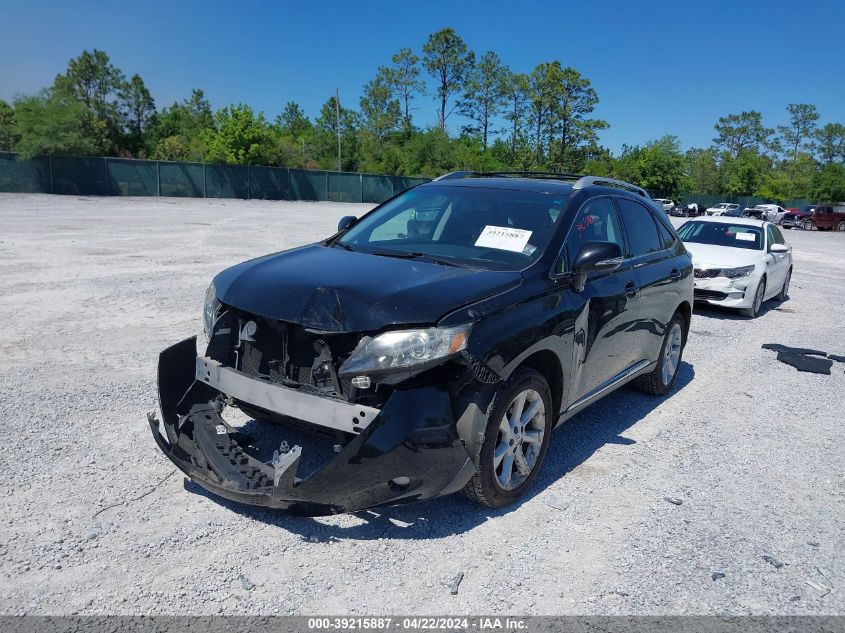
(770, 236)
(596, 221)
(778, 235)
(640, 228)
(665, 235)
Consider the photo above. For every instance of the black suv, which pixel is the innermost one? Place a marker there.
(428, 347)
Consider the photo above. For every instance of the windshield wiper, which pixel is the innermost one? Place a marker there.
(346, 246)
(418, 255)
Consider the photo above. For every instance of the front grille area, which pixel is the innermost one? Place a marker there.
(709, 294)
(706, 273)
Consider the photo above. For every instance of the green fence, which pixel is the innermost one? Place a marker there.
(98, 176)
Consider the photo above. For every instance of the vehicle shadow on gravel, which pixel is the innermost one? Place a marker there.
(572, 444)
(728, 314)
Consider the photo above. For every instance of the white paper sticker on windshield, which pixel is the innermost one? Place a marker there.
(503, 238)
(746, 237)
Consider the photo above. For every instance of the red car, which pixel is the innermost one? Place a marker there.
(821, 217)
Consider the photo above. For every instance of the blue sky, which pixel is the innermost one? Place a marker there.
(658, 67)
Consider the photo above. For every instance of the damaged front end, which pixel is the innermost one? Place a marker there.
(407, 436)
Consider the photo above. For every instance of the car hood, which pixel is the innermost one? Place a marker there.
(710, 256)
(335, 290)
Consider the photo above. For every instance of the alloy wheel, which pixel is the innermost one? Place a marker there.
(672, 353)
(758, 296)
(808, 226)
(841, 226)
(520, 439)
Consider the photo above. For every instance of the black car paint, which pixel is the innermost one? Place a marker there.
(431, 428)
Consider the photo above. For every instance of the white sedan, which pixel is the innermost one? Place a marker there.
(738, 262)
(722, 208)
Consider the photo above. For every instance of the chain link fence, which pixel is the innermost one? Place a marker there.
(99, 176)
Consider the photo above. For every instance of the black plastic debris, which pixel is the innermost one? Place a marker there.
(804, 359)
(838, 359)
(810, 364)
(777, 347)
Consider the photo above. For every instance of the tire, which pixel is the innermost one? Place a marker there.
(754, 309)
(807, 225)
(783, 295)
(841, 227)
(486, 486)
(662, 378)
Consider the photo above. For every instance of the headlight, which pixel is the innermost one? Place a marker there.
(406, 348)
(736, 273)
(210, 310)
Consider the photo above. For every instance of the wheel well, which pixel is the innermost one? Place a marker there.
(548, 364)
(685, 310)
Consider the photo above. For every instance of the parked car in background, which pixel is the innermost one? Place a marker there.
(769, 212)
(665, 203)
(794, 218)
(722, 208)
(685, 211)
(738, 262)
(825, 218)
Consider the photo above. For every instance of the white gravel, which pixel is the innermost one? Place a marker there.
(94, 520)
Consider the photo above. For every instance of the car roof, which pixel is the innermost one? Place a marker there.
(542, 185)
(729, 220)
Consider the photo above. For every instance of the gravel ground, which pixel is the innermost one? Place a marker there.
(93, 519)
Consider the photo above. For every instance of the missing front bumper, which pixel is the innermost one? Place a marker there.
(413, 440)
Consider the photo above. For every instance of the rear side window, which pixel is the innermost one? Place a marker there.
(640, 228)
(665, 235)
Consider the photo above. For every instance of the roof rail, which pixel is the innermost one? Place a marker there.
(454, 175)
(587, 181)
(558, 175)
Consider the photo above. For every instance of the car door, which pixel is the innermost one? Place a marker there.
(777, 264)
(657, 272)
(606, 309)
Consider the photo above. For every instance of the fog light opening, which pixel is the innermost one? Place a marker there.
(399, 484)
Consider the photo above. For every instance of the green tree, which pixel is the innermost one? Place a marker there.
(830, 143)
(293, 121)
(55, 123)
(447, 59)
(658, 165)
(743, 175)
(327, 129)
(702, 170)
(380, 113)
(239, 137)
(137, 108)
(544, 85)
(485, 93)
(403, 78)
(92, 79)
(737, 133)
(799, 133)
(516, 86)
(571, 131)
(177, 132)
(8, 127)
(829, 184)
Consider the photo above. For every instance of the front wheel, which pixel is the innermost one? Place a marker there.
(784, 291)
(754, 309)
(516, 440)
(807, 226)
(662, 377)
(841, 226)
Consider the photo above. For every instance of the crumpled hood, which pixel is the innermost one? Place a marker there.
(710, 256)
(335, 290)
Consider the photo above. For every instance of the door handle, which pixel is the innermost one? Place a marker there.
(631, 290)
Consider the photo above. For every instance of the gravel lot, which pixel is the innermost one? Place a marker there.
(93, 519)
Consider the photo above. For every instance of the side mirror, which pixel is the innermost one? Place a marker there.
(345, 222)
(592, 258)
(778, 248)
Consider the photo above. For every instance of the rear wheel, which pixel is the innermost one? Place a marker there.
(841, 226)
(516, 440)
(754, 309)
(662, 378)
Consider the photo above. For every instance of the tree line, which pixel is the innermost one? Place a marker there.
(507, 120)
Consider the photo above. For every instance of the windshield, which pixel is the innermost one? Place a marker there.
(496, 229)
(722, 234)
